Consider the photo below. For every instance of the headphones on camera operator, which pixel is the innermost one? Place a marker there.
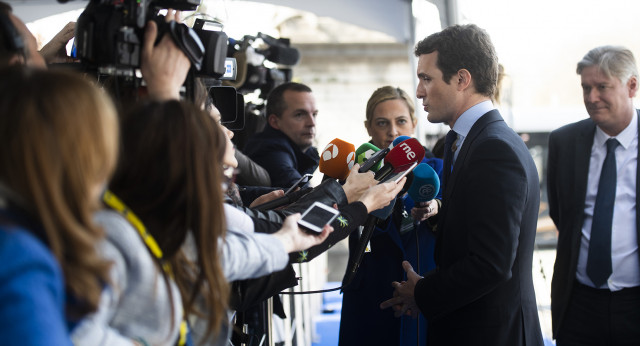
(12, 42)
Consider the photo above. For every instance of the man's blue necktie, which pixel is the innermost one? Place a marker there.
(452, 136)
(599, 257)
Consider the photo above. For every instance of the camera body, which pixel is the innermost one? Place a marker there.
(110, 33)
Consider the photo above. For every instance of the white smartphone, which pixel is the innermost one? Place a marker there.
(399, 173)
(317, 216)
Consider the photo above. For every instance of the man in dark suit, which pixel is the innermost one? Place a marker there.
(481, 292)
(285, 147)
(595, 292)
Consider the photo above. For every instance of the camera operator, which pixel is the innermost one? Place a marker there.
(164, 66)
(17, 43)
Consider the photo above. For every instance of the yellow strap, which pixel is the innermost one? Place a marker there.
(116, 204)
(183, 333)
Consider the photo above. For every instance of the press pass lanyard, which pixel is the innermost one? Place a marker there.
(116, 204)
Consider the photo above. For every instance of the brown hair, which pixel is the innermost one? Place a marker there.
(464, 47)
(169, 175)
(58, 142)
(275, 101)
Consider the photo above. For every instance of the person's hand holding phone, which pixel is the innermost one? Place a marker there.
(294, 239)
(299, 184)
(267, 197)
(358, 183)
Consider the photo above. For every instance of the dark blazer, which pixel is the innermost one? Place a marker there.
(277, 154)
(362, 321)
(567, 175)
(481, 292)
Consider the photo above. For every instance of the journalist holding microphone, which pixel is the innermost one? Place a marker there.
(399, 235)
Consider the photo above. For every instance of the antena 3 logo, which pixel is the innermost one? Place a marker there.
(407, 149)
(330, 152)
(351, 159)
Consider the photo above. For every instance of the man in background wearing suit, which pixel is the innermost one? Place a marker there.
(481, 292)
(595, 292)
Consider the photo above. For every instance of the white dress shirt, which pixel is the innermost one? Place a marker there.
(465, 122)
(624, 240)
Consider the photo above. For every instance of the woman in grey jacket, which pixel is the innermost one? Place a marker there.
(167, 188)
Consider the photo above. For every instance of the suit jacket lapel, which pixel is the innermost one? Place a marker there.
(582, 144)
(480, 124)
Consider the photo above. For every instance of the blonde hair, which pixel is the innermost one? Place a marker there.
(387, 93)
(58, 142)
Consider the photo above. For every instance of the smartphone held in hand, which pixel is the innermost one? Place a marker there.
(316, 217)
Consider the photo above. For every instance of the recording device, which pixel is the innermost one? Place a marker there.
(110, 33)
(374, 162)
(284, 200)
(300, 183)
(404, 153)
(337, 159)
(397, 174)
(425, 185)
(316, 217)
(365, 153)
(279, 50)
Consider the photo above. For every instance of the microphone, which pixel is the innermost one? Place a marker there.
(425, 185)
(284, 200)
(404, 153)
(364, 152)
(279, 52)
(337, 159)
(369, 157)
(398, 140)
(367, 230)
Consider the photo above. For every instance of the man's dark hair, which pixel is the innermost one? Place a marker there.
(464, 47)
(275, 100)
(11, 43)
(5, 8)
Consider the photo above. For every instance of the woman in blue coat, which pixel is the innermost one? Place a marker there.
(58, 145)
(405, 235)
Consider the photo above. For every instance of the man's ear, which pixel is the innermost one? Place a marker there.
(273, 121)
(463, 79)
(632, 84)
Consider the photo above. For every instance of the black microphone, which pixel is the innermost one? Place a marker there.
(284, 200)
(373, 160)
(281, 55)
(278, 52)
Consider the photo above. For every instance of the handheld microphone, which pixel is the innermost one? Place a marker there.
(425, 185)
(279, 51)
(364, 152)
(404, 153)
(337, 159)
(398, 139)
(369, 157)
